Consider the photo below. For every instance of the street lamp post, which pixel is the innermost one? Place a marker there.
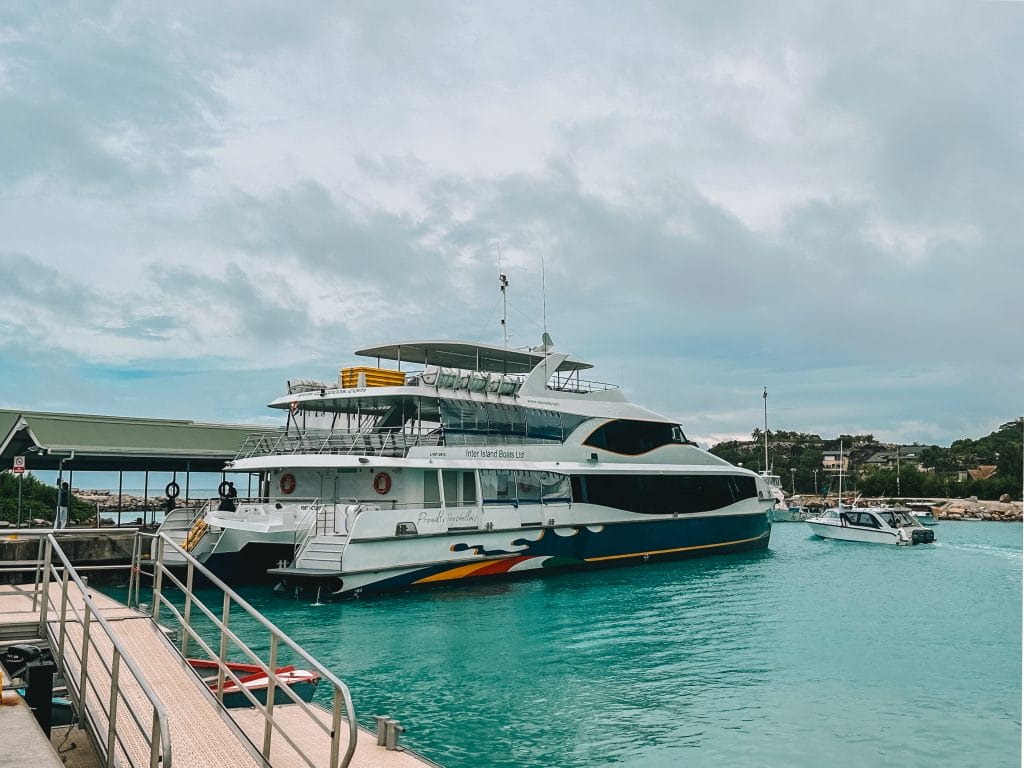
(816, 489)
(792, 475)
(31, 449)
(898, 472)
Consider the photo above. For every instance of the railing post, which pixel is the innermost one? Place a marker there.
(158, 572)
(84, 672)
(63, 609)
(186, 620)
(115, 671)
(222, 661)
(268, 722)
(45, 587)
(39, 565)
(154, 747)
(336, 728)
(132, 567)
(138, 571)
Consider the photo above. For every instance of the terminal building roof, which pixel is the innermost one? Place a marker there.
(110, 443)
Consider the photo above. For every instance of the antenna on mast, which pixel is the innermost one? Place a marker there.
(544, 298)
(765, 396)
(503, 283)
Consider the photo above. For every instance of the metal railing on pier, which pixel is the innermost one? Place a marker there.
(190, 632)
(120, 711)
(118, 698)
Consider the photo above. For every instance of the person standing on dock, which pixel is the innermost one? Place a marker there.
(63, 498)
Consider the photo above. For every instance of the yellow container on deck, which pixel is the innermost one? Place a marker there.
(373, 377)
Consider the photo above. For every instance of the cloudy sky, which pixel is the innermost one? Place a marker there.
(201, 200)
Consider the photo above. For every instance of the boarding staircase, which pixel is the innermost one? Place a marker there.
(322, 553)
(187, 527)
(324, 535)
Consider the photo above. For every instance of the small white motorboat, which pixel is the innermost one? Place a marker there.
(922, 510)
(877, 525)
(791, 514)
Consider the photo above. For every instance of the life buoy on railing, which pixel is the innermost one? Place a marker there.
(287, 483)
(172, 490)
(382, 483)
(222, 489)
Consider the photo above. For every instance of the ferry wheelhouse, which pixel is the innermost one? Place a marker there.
(464, 461)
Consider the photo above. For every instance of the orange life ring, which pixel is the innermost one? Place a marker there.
(382, 483)
(287, 483)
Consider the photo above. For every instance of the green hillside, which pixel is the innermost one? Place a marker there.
(795, 456)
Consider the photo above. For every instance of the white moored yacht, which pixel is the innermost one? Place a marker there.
(483, 461)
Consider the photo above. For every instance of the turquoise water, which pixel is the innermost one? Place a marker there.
(813, 653)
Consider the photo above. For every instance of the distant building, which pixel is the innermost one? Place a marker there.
(908, 454)
(834, 461)
(983, 472)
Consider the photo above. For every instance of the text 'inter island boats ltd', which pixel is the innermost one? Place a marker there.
(483, 461)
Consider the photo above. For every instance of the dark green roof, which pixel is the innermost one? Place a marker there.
(111, 443)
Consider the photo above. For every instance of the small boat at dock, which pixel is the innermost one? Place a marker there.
(256, 681)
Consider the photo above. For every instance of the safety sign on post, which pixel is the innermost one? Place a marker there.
(19, 465)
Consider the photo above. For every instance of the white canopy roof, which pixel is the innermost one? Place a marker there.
(467, 354)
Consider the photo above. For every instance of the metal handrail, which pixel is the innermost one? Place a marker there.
(159, 737)
(341, 699)
(309, 530)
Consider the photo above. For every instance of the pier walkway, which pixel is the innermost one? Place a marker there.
(142, 704)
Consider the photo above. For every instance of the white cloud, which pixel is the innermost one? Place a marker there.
(724, 197)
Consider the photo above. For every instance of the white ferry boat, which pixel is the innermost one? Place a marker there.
(483, 461)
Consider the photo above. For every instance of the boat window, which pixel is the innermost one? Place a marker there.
(528, 485)
(464, 421)
(450, 479)
(663, 494)
(496, 486)
(456, 481)
(431, 497)
(863, 519)
(555, 487)
(634, 437)
(506, 420)
(545, 425)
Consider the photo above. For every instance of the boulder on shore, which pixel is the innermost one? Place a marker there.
(971, 508)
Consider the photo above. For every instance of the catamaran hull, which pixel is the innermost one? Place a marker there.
(239, 556)
(250, 563)
(531, 551)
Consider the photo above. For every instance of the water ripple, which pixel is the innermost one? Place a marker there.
(762, 659)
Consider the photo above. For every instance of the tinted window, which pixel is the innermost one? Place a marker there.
(663, 494)
(471, 418)
(634, 437)
(502, 486)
